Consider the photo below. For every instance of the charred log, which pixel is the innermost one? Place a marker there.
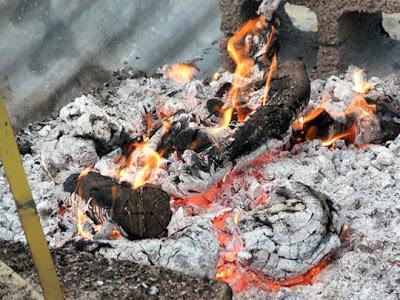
(388, 112)
(142, 213)
(290, 94)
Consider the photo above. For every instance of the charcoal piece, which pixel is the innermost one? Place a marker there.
(298, 228)
(143, 212)
(224, 88)
(92, 186)
(290, 91)
(388, 112)
(192, 139)
(214, 106)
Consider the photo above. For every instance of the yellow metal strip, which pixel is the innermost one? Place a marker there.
(28, 216)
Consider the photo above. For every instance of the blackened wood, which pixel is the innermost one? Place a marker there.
(290, 92)
(142, 213)
(388, 113)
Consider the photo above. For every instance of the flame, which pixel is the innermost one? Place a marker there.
(143, 163)
(360, 86)
(151, 160)
(359, 109)
(181, 73)
(272, 70)
(273, 67)
(81, 219)
(349, 134)
(238, 50)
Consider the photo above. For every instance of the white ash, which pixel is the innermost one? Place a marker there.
(192, 250)
(292, 233)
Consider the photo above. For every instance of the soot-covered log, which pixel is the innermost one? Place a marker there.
(143, 212)
(290, 92)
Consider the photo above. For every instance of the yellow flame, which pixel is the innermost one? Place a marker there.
(360, 86)
(81, 219)
(152, 161)
(239, 52)
(181, 73)
(272, 70)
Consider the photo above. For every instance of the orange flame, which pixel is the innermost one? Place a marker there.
(349, 134)
(151, 160)
(360, 86)
(181, 73)
(358, 108)
(148, 164)
(239, 52)
(80, 220)
(272, 70)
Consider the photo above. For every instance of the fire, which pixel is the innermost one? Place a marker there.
(349, 134)
(360, 86)
(272, 70)
(151, 160)
(80, 220)
(238, 50)
(359, 109)
(181, 73)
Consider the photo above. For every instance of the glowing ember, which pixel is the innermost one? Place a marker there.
(236, 275)
(181, 73)
(360, 86)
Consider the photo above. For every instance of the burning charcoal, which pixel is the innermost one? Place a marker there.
(294, 232)
(142, 213)
(272, 121)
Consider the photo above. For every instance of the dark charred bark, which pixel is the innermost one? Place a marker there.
(388, 112)
(142, 213)
(290, 92)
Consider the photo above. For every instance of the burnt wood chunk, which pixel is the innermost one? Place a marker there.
(388, 113)
(142, 213)
(290, 92)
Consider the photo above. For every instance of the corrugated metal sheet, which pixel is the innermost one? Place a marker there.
(52, 50)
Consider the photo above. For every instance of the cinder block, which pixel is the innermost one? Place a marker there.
(337, 25)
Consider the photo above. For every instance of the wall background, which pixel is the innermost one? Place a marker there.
(54, 50)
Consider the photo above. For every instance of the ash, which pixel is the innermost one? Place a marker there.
(360, 185)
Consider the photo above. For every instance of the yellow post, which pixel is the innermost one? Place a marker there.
(28, 216)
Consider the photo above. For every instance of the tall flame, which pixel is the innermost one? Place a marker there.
(238, 50)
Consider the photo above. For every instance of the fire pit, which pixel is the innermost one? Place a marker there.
(260, 178)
